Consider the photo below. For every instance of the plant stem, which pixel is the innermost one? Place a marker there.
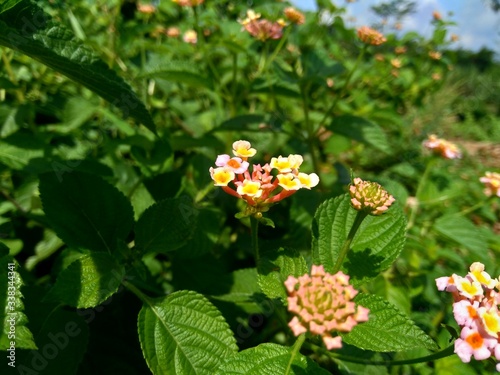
(309, 129)
(418, 193)
(432, 357)
(475, 207)
(254, 227)
(344, 88)
(295, 350)
(144, 298)
(280, 45)
(360, 216)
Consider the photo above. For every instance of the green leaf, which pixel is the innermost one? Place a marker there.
(27, 29)
(184, 333)
(180, 76)
(270, 359)
(361, 130)
(242, 122)
(387, 329)
(88, 281)
(6, 5)
(44, 249)
(84, 210)
(378, 241)
(12, 317)
(205, 236)
(166, 226)
(274, 268)
(462, 231)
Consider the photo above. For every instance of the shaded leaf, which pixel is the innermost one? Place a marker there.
(84, 210)
(361, 130)
(166, 226)
(462, 231)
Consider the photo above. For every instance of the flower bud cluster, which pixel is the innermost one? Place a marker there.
(491, 181)
(323, 304)
(259, 188)
(370, 197)
(188, 3)
(476, 298)
(370, 36)
(442, 147)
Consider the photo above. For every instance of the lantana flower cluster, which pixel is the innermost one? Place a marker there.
(322, 304)
(371, 36)
(442, 147)
(262, 29)
(188, 3)
(491, 181)
(476, 298)
(260, 188)
(370, 197)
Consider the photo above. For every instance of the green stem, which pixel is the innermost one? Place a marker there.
(144, 298)
(234, 86)
(295, 350)
(311, 138)
(360, 216)
(344, 88)
(254, 227)
(475, 207)
(418, 193)
(432, 357)
(280, 45)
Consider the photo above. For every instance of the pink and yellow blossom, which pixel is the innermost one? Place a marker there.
(262, 29)
(259, 187)
(442, 147)
(491, 181)
(322, 305)
(475, 309)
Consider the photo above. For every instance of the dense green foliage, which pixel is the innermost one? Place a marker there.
(126, 259)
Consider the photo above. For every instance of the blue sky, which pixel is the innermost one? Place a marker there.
(477, 24)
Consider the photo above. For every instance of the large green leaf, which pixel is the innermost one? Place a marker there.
(27, 29)
(88, 281)
(387, 329)
(462, 231)
(184, 334)
(84, 210)
(166, 225)
(12, 318)
(377, 243)
(270, 359)
(361, 130)
(274, 268)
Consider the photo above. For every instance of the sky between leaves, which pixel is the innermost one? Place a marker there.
(477, 25)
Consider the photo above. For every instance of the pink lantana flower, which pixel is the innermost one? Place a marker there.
(476, 311)
(442, 147)
(235, 164)
(322, 304)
